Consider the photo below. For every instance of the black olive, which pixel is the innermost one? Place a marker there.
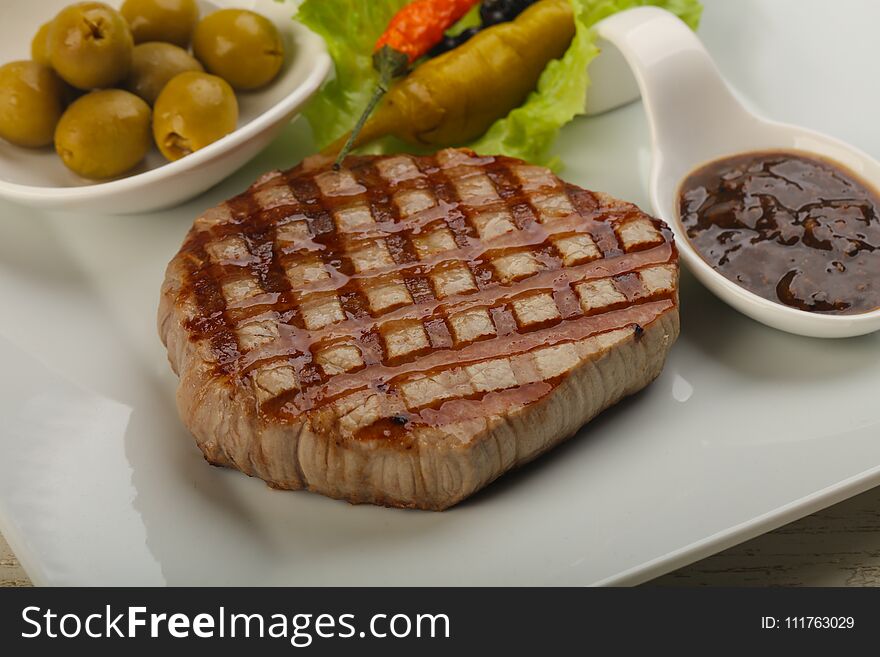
(490, 18)
(493, 12)
(444, 46)
(451, 42)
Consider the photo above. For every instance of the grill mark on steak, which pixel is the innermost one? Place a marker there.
(400, 246)
(534, 238)
(297, 344)
(488, 297)
(457, 218)
(513, 344)
(510, 190)
(211, 321)
(586, 204)
(265, 265)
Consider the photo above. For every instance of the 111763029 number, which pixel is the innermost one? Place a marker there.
(808, 623)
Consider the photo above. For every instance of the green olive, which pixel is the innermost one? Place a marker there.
(161, 20)
(194, 110)
(153, 66)
(30, 103)
(90, 45)
(240, 46)
(40, 45)
(104, 133)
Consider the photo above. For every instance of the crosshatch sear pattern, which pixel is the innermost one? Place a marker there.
(405, 329)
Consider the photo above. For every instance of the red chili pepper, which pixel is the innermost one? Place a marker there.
(420, 25)
(414, 30)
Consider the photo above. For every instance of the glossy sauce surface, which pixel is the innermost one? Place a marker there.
(796, 230)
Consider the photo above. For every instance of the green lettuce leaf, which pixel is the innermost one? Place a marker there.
(351, 28)
(529, 131)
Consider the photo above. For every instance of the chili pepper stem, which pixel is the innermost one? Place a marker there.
(356, 135)
(389, 63)
(381, 124)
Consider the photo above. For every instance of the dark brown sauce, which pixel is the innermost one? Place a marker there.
(793, 229)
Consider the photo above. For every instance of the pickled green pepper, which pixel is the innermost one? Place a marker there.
(457, 96)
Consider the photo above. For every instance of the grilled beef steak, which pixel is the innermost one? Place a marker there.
(407, 329)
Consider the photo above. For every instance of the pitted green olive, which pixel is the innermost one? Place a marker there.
(104, 133)
(154, 65)
(240, 46)
(194, 110)
(90, 45)
(31, 102)
(40, 45)
(161, 20)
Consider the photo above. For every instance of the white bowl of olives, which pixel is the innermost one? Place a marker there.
(136, 105)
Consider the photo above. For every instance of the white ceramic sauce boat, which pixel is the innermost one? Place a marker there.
(695, 118)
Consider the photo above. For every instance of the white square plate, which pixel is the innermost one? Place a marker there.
(747, 428)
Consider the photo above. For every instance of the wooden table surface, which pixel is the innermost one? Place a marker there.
(839, 546)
